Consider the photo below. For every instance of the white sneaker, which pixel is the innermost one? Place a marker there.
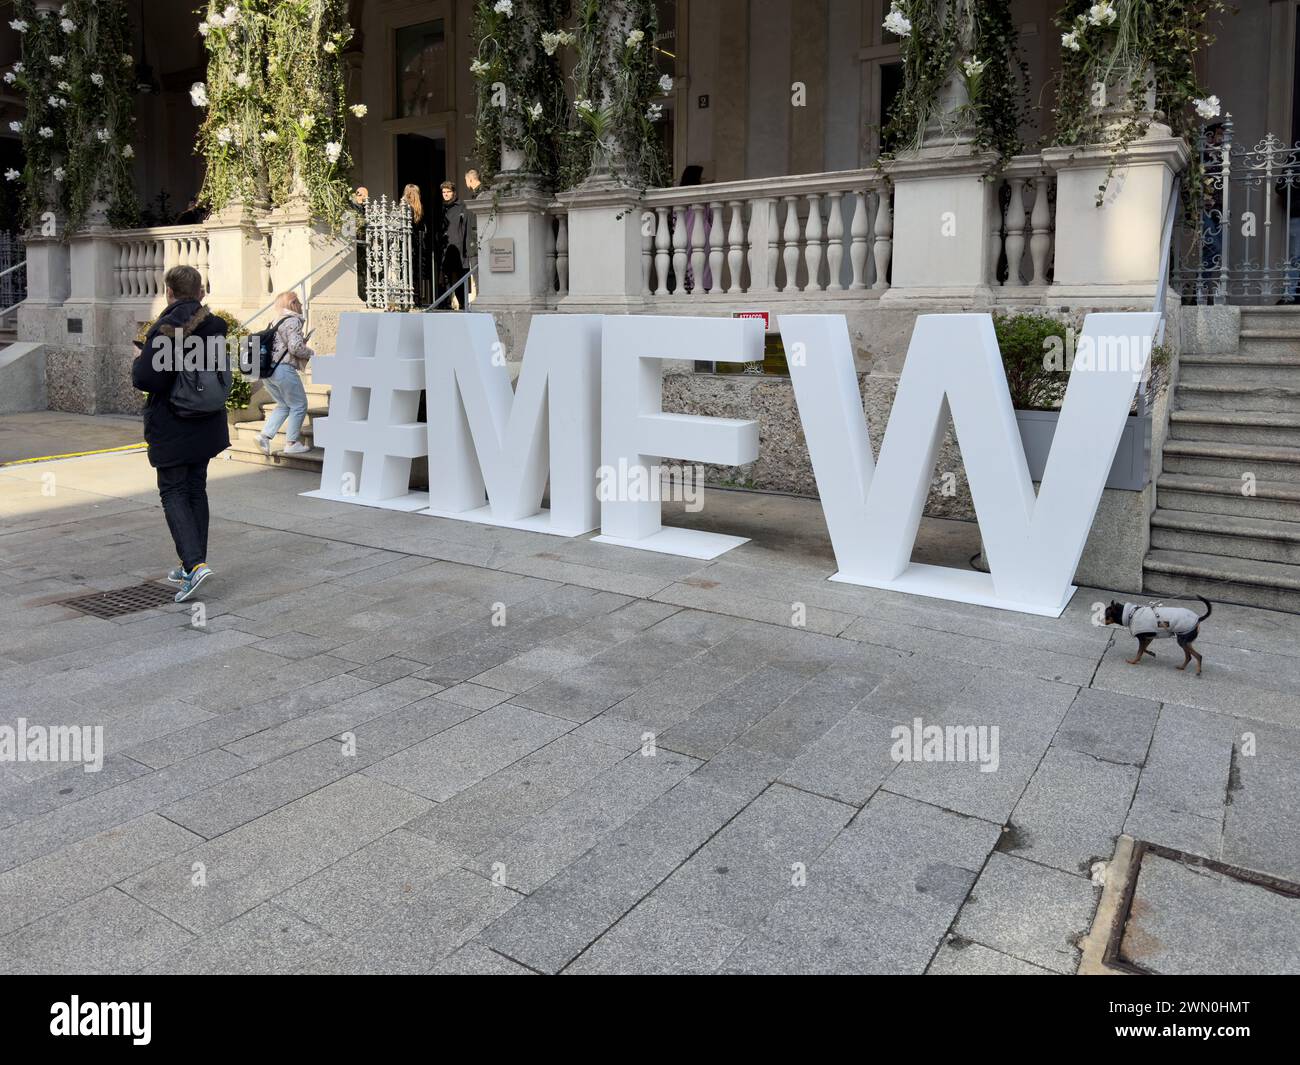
(264, 444)
(296, 448)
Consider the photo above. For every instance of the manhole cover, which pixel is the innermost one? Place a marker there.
(121, 600)
(1174, 913)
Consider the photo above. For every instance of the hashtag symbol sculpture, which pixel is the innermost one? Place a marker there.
(372, 432)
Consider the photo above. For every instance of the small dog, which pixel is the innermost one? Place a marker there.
(1158, 622)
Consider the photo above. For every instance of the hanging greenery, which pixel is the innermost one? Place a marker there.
(615, 81)
(970, 44)
(521, 106)
(77, 74)
(276, 101)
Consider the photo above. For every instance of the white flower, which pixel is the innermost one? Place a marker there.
(333, 150)
(550, 42)
(306, 121)
(57, 61)
(270, 136)
(331, 47)
(1070, 40)
(654, 112)
(63, 86)
(97, 80)
(199, 94)
(12, 175)
(583, 107)
(10, 77)
(1208, 108)
(103, 136)
(59, 173)
(216, 21)
(666, 83)
(973, 67)
(231, 14)
(634, 38)
(45, 132)
(360, 110)
(1102, 14)
(18, 68)
(535, 111)
(17, 127)
(68, 26)
(57, 101)
(242, 80)
(19, 24)
(898, 23)
(477, 66)
(224, 135)
(204, 29)
(128, 152)
(504, 7)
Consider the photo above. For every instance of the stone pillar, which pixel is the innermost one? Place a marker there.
(604, 246)
(942, 242)
(40, 315)
(1110, 254)
(519, 216)
(235, 267)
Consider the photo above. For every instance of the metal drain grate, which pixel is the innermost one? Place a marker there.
(122, 600)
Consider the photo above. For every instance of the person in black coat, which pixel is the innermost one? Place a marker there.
(181, 448)
(453, 246)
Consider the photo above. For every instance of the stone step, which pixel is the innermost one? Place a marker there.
(1265, 462)
(1285, 318)
(1221, 534)
(1268, 585)
(1217, 397)
(1238, 427)
(1241, 371)
(1253, 342)
(1272, 500)
(242, 450)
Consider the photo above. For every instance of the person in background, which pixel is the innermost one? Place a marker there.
(289, 355)
(421, 247)
(358, 205)
(181, 448)
(193, 215)
(473, 185)
(453, 245)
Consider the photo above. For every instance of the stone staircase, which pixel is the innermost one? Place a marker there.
(243, 437)
(1235, 426)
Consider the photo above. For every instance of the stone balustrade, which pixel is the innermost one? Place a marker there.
(145, 255)
(805, 233)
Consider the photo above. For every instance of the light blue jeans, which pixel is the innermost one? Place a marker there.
(290, 398)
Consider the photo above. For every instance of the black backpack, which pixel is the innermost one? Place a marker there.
(198, 393)
(262, 344)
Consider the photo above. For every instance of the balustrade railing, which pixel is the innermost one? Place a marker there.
(805, 233)
(145, 255)
(557, 250)
(1023, 227)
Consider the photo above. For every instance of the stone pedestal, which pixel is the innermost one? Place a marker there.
(604, 245)
(943, 206)
(1110, 254)
(235, 268)
(519, 216)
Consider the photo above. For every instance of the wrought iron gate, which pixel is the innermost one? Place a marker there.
(388, 255)
(13, 283)
(1244, 243)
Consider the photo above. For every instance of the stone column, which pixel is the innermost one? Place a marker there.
(604, 246)
(1110, 254)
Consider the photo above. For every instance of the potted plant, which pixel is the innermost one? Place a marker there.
(1037, 352)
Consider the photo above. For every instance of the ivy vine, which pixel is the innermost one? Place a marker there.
(77, 75)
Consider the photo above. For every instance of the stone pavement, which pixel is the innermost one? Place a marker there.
(348, 767)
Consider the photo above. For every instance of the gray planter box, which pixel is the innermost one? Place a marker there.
(1132, 466)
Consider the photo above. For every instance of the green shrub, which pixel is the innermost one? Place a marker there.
(1027, 342)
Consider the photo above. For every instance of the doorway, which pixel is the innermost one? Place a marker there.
(422, 162)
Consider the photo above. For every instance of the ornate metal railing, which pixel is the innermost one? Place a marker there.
(13, 280)
(389, 269)
(1243, 241)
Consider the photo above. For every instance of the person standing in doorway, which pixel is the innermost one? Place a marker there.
(181, 448)
(453, 245)
(289, 355)
(421, 250)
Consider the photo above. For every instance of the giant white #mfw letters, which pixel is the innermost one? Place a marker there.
(495, 449)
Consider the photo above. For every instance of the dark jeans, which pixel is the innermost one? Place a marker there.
(184, 492)
(453, 268)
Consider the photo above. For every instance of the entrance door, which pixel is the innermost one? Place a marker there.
(422, 162)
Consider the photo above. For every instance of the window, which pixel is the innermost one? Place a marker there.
(421, 69)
